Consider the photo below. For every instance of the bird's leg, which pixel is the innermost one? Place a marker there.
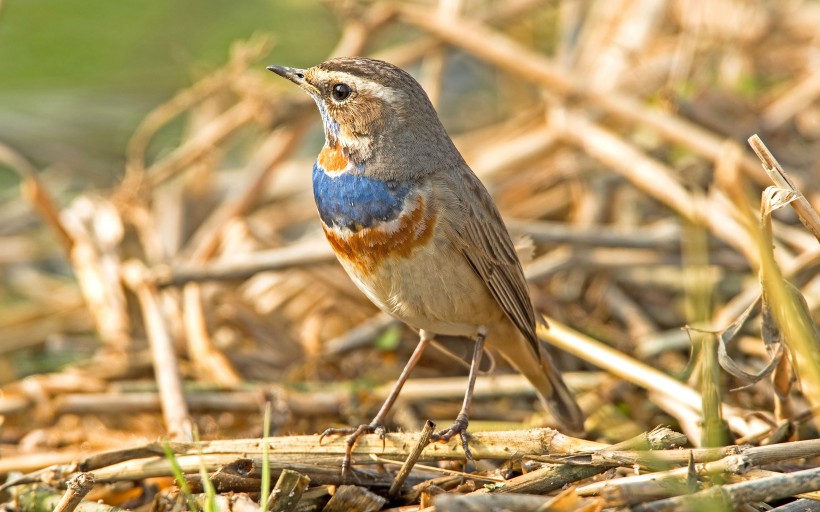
(377, 425)
(463, 419)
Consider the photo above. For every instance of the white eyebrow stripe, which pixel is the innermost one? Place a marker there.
(379, 91)
(369, 87)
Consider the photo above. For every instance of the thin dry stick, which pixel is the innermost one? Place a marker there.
(96, 229)
(808, 215)
(436, 469)
(666, 236)
(212, 365)
(362, 334)
(353, 497)
(411, 460)
(802, 505)
(245, 265)
(78, 487)
(318, 403)
(36, 193)
(640, 374)
(242, 54)
(166, 369)
(754, 474)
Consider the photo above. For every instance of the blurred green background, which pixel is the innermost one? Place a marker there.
(77, 76)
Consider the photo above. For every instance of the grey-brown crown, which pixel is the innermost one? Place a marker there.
(377, 71)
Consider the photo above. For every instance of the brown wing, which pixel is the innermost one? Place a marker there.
(486, 244)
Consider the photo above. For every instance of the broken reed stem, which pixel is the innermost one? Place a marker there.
(36, 193)
(412, 458)
(805, 212)
(166, 368)
(287, 492)
(78, 487)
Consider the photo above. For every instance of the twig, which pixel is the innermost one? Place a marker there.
(412, 458)
(78, 487)
(290, 451)
(241, 267)
(36, 193)
(211, 364)
(166, 369)
(436, 469)
(666, 236)
(227, 124)
(801, 505)
(362, 334)
(162, 115)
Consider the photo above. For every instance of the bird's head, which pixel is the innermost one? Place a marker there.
(374, 111)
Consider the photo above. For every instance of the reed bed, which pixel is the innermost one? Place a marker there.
(656, 159)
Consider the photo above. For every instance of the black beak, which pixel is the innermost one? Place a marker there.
(295, 75)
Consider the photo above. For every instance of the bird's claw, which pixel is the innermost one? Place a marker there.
(458, 427)
(353, 434)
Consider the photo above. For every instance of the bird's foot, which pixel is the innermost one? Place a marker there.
(353, 434)
(458, 427)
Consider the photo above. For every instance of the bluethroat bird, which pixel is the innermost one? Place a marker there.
(417, 231)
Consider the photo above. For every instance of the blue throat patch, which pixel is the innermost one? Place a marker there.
(356, 202)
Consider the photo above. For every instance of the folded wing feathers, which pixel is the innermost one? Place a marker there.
(492, 255)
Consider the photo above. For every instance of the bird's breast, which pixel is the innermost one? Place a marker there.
(366, 219)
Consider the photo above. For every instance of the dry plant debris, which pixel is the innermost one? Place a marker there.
(680, 276)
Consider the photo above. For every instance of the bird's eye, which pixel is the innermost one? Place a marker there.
(340, 92)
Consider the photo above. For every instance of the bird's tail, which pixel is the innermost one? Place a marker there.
(560, 402)
(547, 381)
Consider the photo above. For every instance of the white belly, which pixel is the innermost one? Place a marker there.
(428, 290)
